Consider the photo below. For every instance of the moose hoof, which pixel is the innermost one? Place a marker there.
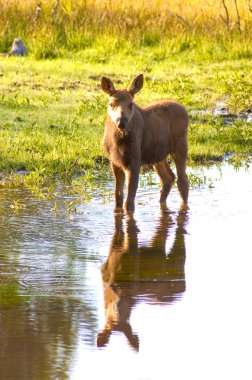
(118, 210)
(129, 207)
(184, 208)
(163, 206)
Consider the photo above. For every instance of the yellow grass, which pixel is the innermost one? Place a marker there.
(161, 16)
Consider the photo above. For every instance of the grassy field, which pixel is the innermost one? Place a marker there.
(52, 110)
(59, 26)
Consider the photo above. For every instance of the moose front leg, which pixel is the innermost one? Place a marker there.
(119, 176)
(132, 178)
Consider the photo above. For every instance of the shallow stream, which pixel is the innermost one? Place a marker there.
(160, 295)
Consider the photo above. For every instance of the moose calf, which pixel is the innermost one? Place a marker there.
(137, 136)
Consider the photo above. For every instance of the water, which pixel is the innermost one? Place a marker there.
(221, 110)
(96, 295)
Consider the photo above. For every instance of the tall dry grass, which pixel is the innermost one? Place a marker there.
(74, 24)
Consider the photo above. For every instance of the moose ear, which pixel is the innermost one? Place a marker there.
(107, 86)
(136, 84)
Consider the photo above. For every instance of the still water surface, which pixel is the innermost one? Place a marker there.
(101, 296)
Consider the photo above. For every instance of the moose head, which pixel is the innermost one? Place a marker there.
(121, 107)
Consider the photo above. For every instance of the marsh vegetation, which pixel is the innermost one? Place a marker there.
(52, 109)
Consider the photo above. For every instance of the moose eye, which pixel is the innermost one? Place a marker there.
(130, 106)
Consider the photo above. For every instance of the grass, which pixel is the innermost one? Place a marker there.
(52, 110)
(50, 31)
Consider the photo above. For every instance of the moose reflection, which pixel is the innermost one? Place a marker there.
(133, 270)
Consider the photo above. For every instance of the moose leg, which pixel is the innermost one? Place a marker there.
(180, 158)
(167, 178)
(119, 185)
(132, 177)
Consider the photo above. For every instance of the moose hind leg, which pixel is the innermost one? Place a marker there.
(183, 184)
(167, 178)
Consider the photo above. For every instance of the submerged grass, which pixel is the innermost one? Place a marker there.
(52, 111)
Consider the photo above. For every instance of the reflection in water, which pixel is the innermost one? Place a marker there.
(52, 293)
(133, 271)
(37, 338)
(45, 297)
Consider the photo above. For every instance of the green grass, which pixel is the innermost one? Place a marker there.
(52, 111)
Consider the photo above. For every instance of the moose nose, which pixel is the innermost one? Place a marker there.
(121, 122)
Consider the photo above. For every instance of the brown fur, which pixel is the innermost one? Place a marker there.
(134, 137)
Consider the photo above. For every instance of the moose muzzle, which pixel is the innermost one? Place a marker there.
(121, 122)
